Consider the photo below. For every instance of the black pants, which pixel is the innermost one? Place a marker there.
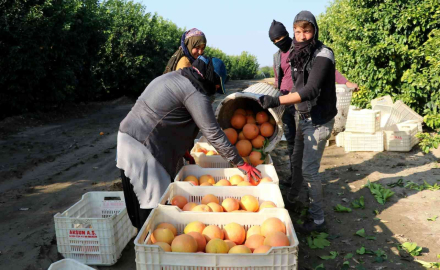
(289, 131)
(137, 215)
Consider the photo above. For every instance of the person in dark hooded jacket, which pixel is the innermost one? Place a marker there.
(162, 125)
(314, 95)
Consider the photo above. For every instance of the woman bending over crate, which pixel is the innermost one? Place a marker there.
(314, 95)
(160, 128)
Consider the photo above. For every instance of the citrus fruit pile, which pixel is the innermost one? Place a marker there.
(232, 238)
(235, 180)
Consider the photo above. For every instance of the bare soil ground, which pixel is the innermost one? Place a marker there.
(49, 160)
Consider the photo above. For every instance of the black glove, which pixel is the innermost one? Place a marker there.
(269, 102)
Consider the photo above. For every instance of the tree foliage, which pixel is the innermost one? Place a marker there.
(388, 48)
(239, 67)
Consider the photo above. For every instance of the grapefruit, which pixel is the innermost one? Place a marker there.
(195, 226)
(230, 204)
(277, 239)
(238, 121)
(209, 198)
(255, 158)
(192, 179)
(244, 148)
(262, 117)
(235, 232)
(179, 201)
(250, 131)
(231, 134)
(272, 225)
(266, 129)
(258, 141)
(206, 179)
(184, 243)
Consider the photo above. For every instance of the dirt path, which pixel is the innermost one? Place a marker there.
(48, 166)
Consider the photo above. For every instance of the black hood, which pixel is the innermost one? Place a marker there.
(309, 17)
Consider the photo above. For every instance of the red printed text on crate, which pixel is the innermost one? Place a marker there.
(82, 234)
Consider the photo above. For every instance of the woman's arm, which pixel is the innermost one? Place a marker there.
(201, 111)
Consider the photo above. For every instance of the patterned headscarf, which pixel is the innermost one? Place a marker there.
(189, 40)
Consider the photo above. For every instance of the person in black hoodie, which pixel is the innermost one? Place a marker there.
(314, 95)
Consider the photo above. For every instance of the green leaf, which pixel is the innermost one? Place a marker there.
(438, 256)
(361, 233)
(321, 243)
(434, 218)
(318, 240)
(332, 256)
(429, 264)
(342, 209)
(345, 265)
(380, 193)
(360, 251)
(370, 237)
(348, 256)
(358, 203)
(412, 248)
(376, 212)
(399, 183)
(320, 267)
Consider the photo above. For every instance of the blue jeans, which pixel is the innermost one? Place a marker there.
(310, 142)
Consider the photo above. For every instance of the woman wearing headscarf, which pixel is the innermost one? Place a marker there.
(162, 125)
(314, 96)
(192, 45)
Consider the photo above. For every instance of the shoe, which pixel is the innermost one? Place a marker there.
(310, 226)
(292, 203)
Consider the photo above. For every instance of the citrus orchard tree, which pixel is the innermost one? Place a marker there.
(388, 48)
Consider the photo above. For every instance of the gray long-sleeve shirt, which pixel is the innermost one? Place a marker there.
(166, 119)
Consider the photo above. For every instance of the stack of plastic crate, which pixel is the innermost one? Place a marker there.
(362, 131)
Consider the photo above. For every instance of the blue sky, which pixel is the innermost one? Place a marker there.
(235, 26)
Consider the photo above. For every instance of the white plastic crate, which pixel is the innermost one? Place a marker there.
(400, 113)
(343, 101)
(365, 121)
(195, 194)
(363, 141)
(69, 264)
(385, 100)
(152, 257)
(385, 113)
(215, 161)
(400, 138)
(340, 139)
(225, 173)
(94, 230)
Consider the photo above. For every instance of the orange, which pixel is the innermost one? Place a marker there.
(262, 249)
(200, 239)
(235, 179)
(255, 158)
(262, 117)
(209, 198)
(249, 203)
(244, 148)
(167, 226)
(195, 226)
(192, 179)
(238, 121)
(230, 204)
(206, 179)
(213, 231)
(266, 129)
(277, 239)
(201, 208)
(189, 206)
(272, 225)
(223, 182)
(231, 134)
(179, 201)
(184, 243)
(254, 241)
(240, 249)
(240, 111)
(217, 246)
(267, 204)
(235, 232)
(241, 136)
(258, 141)
(162, 235)
(164, 246)
(250, 119)
(250, 131)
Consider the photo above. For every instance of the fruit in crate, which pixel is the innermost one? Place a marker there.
(231, 134)
(223, 182)
(206, 184)
(167, 226)
(217, 246)
(230, 204)
(256, 229)
(249, 203)
(272, 121)
(277, 239)
(272, 225)
(266, 129)
(258, 141)
(189, 206)
(256, 158)
(209, 198)
(235, 232)
(262, 117)
(201, 208)
(255, 241)
(179, 201)
(244, 148)
(207, 178)
(239, 249)
(162, 235)
(262, 249)
(215, 207)
(211, 153)
(200, 239)
(236, 179)
(249, 112)
(250, 131)
(184, 243)
(192, 179)
(267, 204)
(230, 243)
(238, 121)
(201, 150)
(212, 232)
(240, 111)
(266, 180)
(164, 246)
(195, 226)
(244, 184)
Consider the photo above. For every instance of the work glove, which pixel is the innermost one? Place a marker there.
(269, 102)
(189, 158)
(253, 174)
(285, 92)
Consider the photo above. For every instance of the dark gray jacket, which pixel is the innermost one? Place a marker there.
(166, 119)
